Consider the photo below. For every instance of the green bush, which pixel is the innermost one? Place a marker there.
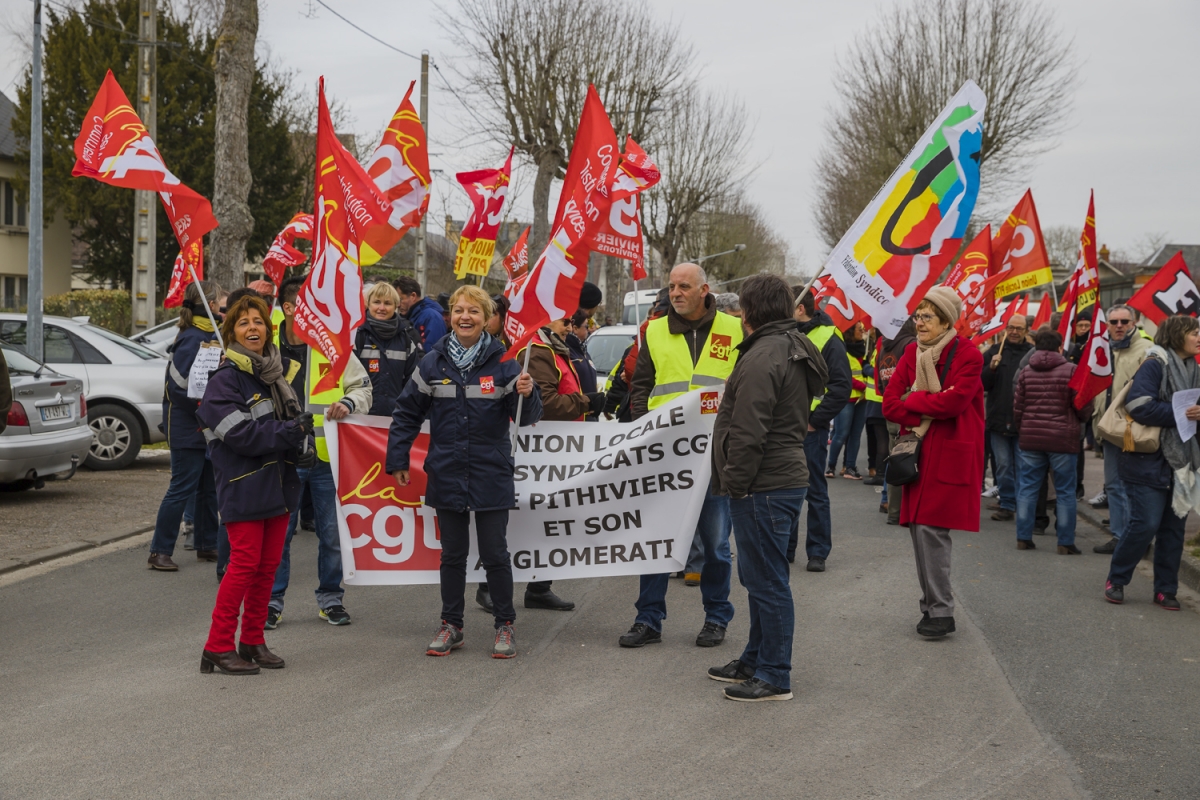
(108, 308)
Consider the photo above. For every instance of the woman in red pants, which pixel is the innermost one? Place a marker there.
(257, 436)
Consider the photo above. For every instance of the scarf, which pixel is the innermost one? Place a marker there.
(203, 323)
(1184, 457)
(268, 368)
(467, 358)
(384, 329)
(927, 376)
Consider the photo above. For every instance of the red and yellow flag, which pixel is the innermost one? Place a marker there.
(400, 168)
(1084, 285)
(190, 258)
(1020, 251)
(487, 189)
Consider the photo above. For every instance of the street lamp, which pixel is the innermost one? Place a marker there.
(737, 248)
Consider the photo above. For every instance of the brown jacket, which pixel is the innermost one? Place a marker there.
(696, 332)
(543, 368)
(758, 437)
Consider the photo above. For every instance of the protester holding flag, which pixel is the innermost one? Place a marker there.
(937, 396)
(388, 348)
(191, 471)
(1083, 330)
(424, 313)
(1000, 366)
(469, 395)
(1161, 486)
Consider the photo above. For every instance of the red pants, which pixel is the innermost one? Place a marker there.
(255, 548)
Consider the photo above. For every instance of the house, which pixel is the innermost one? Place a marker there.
(14, 230)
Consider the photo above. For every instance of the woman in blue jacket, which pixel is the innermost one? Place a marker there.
(388, 347)
(469, 397)
(1162, 486)
(191, 471)
(257, 437)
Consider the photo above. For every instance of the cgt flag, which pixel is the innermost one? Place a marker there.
(190, 258)
(487, 189)
(1171, 291)
(620, 236)
(1085, 280)
(348, 206)
(1020, 250)
(970, 281)
(516, 264)
(114, 147)
(1001, 318)
(898, 247)
(1094, 373)
(400, 168)
(283, 254)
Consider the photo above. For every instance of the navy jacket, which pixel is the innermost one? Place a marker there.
(838, 385)
(253, 450)
(388, 364)
(179, 411)
(426, 317)
(469, 465)
(1147, 469)
(584, 367)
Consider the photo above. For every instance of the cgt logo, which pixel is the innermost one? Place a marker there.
(710, 402)
(720, 345)
(487, 384)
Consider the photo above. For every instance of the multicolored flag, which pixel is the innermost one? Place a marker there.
(1169, 292)
(1084, 285)
(347, 208)
(190, 258)
(487, 189)
(283, 254)
(1020, 251)
(620, 234)
(114, 147)
(1094, 373)
(897, 248)
(400, 168)
(516, 264)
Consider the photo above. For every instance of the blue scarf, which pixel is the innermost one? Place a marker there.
(467, 358)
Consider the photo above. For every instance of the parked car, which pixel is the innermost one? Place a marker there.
(606, 346)
(158, 338)
(123, 382)
(47, 434)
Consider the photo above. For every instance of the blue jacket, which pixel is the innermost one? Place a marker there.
(388, 364)
(179, 411)
(838, 386)
(426, 317)
(584, 367)
(1147, 469)
(253, 450)
(469, 465)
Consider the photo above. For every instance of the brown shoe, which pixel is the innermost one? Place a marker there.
(1024, 545)
(206, 555)
(259, 654)
(162, 562)
(230, 663)
(993, 507)
(1003, 515)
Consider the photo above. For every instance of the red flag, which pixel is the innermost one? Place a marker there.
(516, 264)
(1045, 310)
(190, 257)
(1169, 292)
(973, 281)
(114, 147)
(1000, 320)
(348, 206)
(1019, 250)
(552, 288)
(1084, 285)
(487, 189)
(400, 168)
(1094, 373)
(620, 233)
(283, 254)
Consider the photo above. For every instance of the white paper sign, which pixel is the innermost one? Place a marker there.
(1180, 402)
(208, 358)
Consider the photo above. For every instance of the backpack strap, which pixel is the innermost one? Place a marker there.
(949, 361)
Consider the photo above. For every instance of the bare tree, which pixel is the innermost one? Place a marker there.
(732, 221)
(1062, 245)
(233, 63)
(895, 78)
(528, 64)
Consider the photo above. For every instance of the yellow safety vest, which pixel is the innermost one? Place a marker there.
(674, 373)
(855, 375)
(819, 336)
(315, 404)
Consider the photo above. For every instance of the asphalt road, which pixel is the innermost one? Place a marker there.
(1045, 691)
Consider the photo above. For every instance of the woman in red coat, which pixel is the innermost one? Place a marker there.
(936, 393)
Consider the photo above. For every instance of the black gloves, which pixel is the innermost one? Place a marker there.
(305, 421)
(597, 401)
(308, 453)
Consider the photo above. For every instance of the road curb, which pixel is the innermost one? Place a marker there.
(70, 548)
(1189, 565)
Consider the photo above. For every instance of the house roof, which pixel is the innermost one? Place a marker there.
(1191, 254)
(8, 141)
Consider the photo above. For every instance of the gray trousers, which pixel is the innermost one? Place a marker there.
(893, 514)
(931, 546)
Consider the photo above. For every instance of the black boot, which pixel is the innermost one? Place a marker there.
(483, 598)
(547, 599)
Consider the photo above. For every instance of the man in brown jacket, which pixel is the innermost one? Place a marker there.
(759, 461)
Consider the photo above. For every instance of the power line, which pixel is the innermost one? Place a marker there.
(328, 8)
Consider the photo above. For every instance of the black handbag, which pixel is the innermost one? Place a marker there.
(902, 461)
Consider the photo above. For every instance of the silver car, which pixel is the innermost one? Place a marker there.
(158, 338)
(122, 380)
(47, 433)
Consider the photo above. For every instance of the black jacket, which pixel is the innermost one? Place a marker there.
(1000, 384)
(837, 385)
(389, 364)
(179, 411)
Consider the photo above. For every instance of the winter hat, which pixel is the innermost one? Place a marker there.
(947, 301)
(590, 296)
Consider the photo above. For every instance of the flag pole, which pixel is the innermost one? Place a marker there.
(521, 397)
(207, 310)
(637, 312)
(807, 286)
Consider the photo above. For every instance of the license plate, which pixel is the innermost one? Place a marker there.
(50, 413)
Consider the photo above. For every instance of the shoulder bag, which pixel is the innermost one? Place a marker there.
(902, 461)
(1120, 429)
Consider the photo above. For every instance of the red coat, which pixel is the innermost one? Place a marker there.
(951, 466)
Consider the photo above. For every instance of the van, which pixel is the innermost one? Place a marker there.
(637, 306)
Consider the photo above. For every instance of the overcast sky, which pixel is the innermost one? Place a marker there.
(1132, 136)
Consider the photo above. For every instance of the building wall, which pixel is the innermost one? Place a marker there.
(14, 250)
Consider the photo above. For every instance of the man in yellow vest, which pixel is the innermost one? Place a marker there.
(352, 394)
(820, 330)
(693, 346)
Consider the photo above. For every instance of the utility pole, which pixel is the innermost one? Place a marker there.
(145, 203)
(420, 265)
(33, 318)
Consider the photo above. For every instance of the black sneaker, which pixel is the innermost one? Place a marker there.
(335, 615)
(273, 618)
(547, 599)
(733, 672)
(1167, 601)
(640, 635)
(308, 525)
(851, 473)
(710, 635)
(484, 598)
(1107, 548)
(936, 626)
(754, 690)
(873, 480)
(446, 639)
(816, 565)
(1114, 594)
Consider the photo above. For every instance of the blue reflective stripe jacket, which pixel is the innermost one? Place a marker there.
(179, 411)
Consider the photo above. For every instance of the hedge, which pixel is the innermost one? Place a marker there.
(108, 308)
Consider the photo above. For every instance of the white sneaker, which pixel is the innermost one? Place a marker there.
(992, 492)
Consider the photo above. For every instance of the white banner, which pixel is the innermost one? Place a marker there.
(593, 499)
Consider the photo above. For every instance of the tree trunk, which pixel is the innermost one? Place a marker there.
(234, 67)
(539, 234)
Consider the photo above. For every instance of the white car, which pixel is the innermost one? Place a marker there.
(606, 345)
(158, 338)
(122, 380)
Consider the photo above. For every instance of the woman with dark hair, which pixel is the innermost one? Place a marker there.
(191, 471)
(936, 395)
(1161, 486)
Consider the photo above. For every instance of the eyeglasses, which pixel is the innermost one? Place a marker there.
(926, 318)
(1015, 328)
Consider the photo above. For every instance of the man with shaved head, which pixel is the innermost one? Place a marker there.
(1001, 364)
(693, 347)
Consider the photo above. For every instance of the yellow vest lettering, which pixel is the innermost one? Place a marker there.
(674, 373)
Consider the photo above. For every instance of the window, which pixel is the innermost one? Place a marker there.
(14, 292)
(12, 206)
(141, 352)
(56, 346)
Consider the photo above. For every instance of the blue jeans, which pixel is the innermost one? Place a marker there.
(1114, 487)
(713, 530)
(819, 540)
(1004, 455)
(1150, 520)
(763, 525)
(695, 559)
(1031, 472)
(319, 479)
(191, 476)
(847, 431)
